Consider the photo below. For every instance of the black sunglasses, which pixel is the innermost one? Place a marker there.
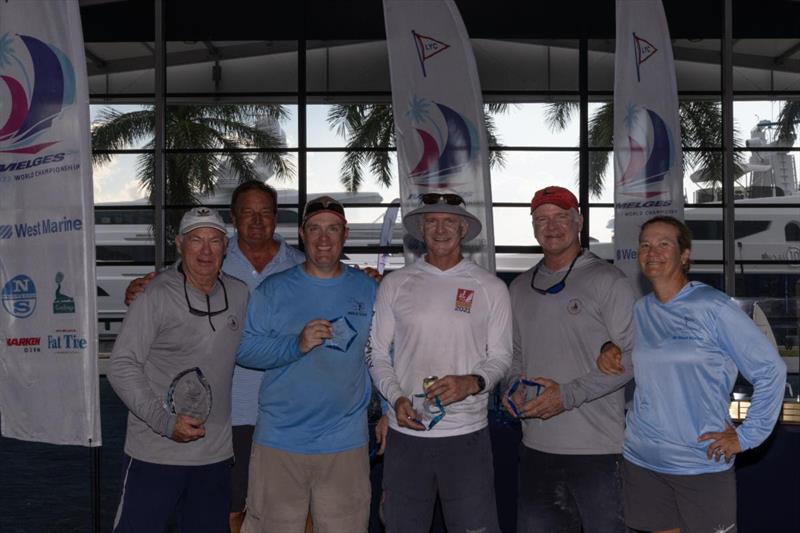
(558, 287)
(316, 206)
(432, 198)
(208, 312)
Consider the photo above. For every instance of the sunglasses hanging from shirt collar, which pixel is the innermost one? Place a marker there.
(208, 312)
(558, 287)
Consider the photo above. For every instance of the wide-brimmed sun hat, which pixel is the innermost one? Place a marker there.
(441, 203)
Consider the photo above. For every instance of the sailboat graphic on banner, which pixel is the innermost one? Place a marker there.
(444, 154)
(34, 104)
(650, 155)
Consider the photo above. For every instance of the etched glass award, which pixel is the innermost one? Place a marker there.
(524, 390)
(343, 334)
(190, 394)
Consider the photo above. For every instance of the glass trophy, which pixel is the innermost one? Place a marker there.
(430, 412)
(343, 334)
(525, 390)
(190, 394)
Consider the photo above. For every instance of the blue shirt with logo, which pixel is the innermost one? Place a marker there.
(244, 393)
(685, 360)
(316, 402)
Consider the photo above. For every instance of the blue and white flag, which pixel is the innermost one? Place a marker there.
(48, 300)
(438, 113)
(648, 167)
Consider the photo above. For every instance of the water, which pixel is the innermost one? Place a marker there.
(47, 488)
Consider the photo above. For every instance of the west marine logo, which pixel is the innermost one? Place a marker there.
(39, 81)
(45, 226)
(19, 296)
(649, 155)
(450, 145)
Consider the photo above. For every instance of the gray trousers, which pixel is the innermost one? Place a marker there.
(458, 468)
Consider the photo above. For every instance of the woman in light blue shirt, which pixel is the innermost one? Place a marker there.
(690, 343)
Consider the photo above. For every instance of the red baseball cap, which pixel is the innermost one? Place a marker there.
(554, 195)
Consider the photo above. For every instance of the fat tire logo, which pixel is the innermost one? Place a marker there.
(19, 296)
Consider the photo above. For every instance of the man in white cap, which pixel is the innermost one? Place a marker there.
(565, 309)
(188, 322)
(449, 322)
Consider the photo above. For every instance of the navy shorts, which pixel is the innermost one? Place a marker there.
(197, 498)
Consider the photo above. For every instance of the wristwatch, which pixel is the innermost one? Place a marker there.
(481, 382)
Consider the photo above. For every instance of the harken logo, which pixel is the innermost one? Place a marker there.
(39, 81)
(19, 296)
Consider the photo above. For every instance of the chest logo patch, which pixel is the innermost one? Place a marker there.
(233, 323)
(464, 299)
(574, 306)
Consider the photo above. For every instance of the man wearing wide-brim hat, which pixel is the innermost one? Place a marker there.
(449, 322)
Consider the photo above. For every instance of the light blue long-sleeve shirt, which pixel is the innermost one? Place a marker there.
(244, 392)
(685, 360)
(315, 402)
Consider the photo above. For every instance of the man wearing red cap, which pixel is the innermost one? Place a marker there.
(564, 309)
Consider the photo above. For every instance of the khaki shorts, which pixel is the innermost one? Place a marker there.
(284, 486)
(694, 503)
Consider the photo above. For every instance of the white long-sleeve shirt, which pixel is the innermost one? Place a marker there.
(440, 323)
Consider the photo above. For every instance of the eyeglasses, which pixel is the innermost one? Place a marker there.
(433, 198)
(208, 312)
(558, 287)
(324, 204)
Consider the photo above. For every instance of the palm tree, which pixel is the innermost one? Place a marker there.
(701, 125)
(203, 127)
(369, 132)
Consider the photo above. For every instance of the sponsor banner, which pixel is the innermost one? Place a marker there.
(648, 160)
(48, 317)
(438, 114)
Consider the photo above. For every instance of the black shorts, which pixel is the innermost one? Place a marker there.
(242, 443)
(702, 502)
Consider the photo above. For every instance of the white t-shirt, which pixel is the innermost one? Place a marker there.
(452, 322)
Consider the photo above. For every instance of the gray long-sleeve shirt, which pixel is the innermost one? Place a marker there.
(559, 336)
(159, 339)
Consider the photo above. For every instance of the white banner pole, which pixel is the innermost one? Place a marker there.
(438, 114)
(48, 321)
(648, 159)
